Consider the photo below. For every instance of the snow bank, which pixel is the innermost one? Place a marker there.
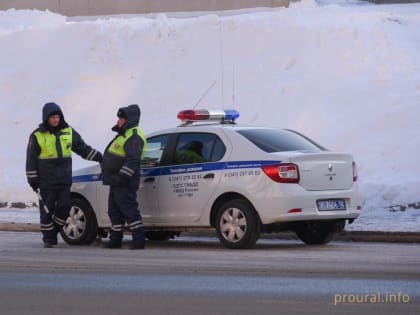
(347, 76)
(12, 20)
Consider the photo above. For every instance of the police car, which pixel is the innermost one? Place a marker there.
(211, 173)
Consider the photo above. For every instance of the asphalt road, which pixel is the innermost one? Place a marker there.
(199, 276)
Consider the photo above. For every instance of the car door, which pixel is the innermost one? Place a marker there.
(150, 177)
(188, 182)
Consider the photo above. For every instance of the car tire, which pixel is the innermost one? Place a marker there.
(315, 232)
(81, 227)
(237, 224)
(158, 235)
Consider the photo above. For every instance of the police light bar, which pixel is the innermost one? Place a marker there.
(190, 115)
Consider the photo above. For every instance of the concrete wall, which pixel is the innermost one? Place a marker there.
(104, 7)
(393, 1)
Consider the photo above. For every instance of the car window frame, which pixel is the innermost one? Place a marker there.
(164, 154)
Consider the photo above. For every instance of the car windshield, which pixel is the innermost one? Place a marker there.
(276, 140)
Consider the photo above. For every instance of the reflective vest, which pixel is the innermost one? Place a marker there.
(117, 146)
(47, 141)
(188, 156)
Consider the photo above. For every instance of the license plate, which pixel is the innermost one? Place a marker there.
(331, 204)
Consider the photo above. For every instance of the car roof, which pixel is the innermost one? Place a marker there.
(208, 127)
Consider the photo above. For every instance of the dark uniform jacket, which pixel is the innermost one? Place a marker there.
(55, 172)
(119, 170)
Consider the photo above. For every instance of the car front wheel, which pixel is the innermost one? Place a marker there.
(81, 227)
(237, 224)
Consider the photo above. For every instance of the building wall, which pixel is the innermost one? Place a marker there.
(104, 7)
(393, 1)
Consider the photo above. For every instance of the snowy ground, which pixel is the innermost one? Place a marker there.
(346, 75)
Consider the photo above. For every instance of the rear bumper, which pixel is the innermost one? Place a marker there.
(275, 207)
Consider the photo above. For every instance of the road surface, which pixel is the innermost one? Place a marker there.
(199, 276)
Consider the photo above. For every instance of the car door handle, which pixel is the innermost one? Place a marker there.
(209, 175)
(149, 180)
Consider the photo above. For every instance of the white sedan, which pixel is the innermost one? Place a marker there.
(211, 173)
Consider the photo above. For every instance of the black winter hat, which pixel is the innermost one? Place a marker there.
(121, 113)
(51, 109)
(131, 110)
(55, 113)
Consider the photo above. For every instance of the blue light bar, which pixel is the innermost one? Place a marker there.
(231, 114)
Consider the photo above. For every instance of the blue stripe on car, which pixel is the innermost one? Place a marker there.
(183, 169)
(87, 178)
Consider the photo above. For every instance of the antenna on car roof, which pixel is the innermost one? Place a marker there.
(204, 94)
(233, 86)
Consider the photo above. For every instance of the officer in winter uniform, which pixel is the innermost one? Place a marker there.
(121, 171)
(190, 153)
(49, 168)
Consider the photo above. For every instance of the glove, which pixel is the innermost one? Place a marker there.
(98, 157)
(34, 185)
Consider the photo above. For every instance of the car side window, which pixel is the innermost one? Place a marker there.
(194, 148)
(153, 154)
(219, 150)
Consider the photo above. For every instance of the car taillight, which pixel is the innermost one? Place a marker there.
(355, 175)
(283, 172)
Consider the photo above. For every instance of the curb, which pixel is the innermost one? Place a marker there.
(359, 236)
(354, 236)
(379, 236)
(19, 227)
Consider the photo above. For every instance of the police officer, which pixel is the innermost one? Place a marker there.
(121, 171)
(49, 168)
(190, 153)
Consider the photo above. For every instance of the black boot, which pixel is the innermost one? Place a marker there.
(49, 245)
(137, 245)
(137, 238)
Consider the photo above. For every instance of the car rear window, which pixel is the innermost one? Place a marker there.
(276, 140)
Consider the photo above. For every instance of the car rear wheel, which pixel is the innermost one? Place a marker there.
(81, 227)
(237, 224)
(316, 232)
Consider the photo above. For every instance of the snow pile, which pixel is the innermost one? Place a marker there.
(12, 21)
(347, 76)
